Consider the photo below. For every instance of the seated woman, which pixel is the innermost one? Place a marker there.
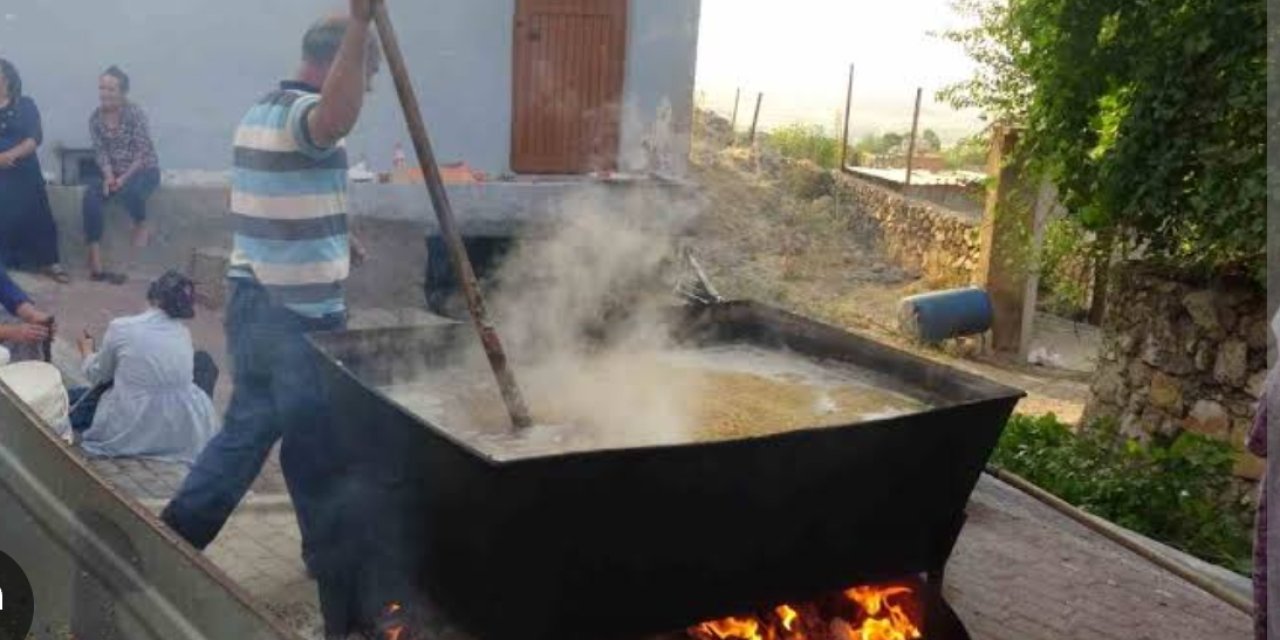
(127, 160)
(28, 234)
(32, 326)
(146, 402)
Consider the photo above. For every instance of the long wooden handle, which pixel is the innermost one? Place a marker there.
(448, 227)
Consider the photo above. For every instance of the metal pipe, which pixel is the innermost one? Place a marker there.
(844, 137)
(1093, 523)
(911, 149)
(448, 227)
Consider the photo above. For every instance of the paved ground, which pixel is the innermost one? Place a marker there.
(1021, 570)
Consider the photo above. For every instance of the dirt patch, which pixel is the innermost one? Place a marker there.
(772, 232)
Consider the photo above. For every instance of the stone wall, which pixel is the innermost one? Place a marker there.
(941, 244)
(1179, 356)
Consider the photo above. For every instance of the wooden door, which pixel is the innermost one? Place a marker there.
(570, 57)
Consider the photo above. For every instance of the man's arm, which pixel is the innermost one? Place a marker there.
(342, 96)
(100, 366)
(23, 333)
(12, 297)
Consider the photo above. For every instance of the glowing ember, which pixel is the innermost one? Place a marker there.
(395, 631)
(861, 613)
(787, 615)
(736, 628)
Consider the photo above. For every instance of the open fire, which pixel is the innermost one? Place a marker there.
(393, 624)
(883, 612)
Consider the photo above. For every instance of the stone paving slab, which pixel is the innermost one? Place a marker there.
(1023, 571)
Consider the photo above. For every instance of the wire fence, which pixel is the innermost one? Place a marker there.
(873, 121)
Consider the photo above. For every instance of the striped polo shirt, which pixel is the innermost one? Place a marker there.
(289, 206)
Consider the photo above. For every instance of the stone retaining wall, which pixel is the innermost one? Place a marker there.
(942, 245)
(1179, 356)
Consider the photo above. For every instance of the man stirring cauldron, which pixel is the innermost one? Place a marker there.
(292, 254)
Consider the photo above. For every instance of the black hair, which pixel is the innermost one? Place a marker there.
(11, 79)
(175, 294)
(118, 74)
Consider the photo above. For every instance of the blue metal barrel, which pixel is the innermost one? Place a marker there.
(934, 317)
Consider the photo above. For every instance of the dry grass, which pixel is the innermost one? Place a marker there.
(763, 238)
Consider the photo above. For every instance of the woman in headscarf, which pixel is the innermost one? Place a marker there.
(28, 234)
(153, 393)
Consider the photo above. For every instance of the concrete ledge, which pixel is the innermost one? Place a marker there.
(392, 220)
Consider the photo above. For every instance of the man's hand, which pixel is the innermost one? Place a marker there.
(86, 344)
(25, 333)
(362, 10)
(30, 314)
(7, 161)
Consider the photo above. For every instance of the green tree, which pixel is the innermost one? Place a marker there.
(891, 141)
(1000, 88)
(868, 143)
(969, 153)
(809, 142)
(1148, 116)
(930, 140)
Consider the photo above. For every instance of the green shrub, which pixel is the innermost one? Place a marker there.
(807, 142)
(1066, 267)
(807, 182)
(969, 154)
(1179, 491)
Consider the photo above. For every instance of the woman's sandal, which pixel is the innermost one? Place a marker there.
(109, 277)
(58, 274)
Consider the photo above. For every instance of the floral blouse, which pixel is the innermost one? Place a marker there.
(118, 148)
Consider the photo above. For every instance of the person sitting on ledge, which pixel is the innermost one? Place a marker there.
(130, 171)
(153, 393)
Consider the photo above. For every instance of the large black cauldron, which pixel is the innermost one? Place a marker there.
(620, 543)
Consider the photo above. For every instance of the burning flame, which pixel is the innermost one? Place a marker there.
(863, 613)
(787, 615)
(396, 631)
(736, 628)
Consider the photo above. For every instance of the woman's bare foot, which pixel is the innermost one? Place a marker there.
(141, 237)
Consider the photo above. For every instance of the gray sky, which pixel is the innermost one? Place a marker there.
(797, 52)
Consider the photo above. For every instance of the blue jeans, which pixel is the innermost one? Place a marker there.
(278, 396)
(133, 195)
